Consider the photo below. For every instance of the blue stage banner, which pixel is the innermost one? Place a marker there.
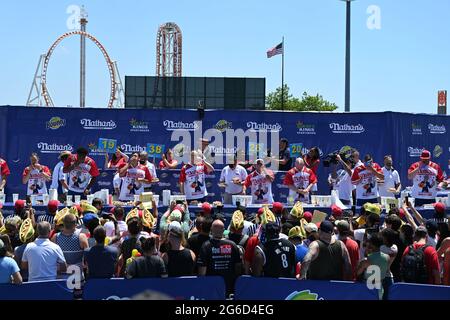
(52, 130)
(43, 290)
(184, 288)
(412, 291)
(250, 288)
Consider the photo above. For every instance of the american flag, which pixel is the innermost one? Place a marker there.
(275, 50)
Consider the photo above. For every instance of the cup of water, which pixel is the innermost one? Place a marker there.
(33, 200)
(15, 197)
(77, 199)
(69, 201)
(45, 199)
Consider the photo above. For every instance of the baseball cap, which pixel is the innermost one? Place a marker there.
(179, 207)
(260, 211)
(296, 232)
(175, 227)
(175, 215)
(53, 206)
(431, 225)
(439, 207)
(426, 155)
(311, 227)
(343, 226)
(206, 208)
(277, 207)
(20, 204)
(307, 216)
(88, 217)
(326, 226)
(336, 211)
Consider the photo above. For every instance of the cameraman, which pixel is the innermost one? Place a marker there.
(365, 178)
(342, 179)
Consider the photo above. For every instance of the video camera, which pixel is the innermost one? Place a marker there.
(331, 158)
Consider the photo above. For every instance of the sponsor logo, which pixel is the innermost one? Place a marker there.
(223, 125)
(179, 125)
(436, 129)
(164, 175)
(128, 148)
(346, 128)
(104, 184)
(416, 128)
(94, 150)
(55, 123)
(438, 151)
(139, 126)
(303, 295)
(104, 174)
(164, 184)
(254, 126)
(97, 124)
(54, 148)
(303, 128)
(223, 151)
(415, 152)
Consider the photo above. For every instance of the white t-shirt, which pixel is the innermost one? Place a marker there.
(56, 175)
(426, 180)
(366, 182)
(36, 184)
(80, 177)
(391, 179)
(43, 257)
(227, 176)
(299, 179)
(344, 185)
(359, 236)
(194, 179)
(130, 184)
(261, 187)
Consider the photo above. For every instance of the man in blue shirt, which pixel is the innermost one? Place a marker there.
(8, 267)
(101, 259)
(296, 236)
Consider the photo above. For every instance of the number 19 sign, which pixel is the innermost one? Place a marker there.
(108, 145)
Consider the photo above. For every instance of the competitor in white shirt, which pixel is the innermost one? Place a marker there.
(343, 181)
(193, 178)
(300, 181)
(232, 177)
(36, 176)
(143, 159)
(134, 175)
(59, 178)
(260, 182)
(391, 185)
(365, 179)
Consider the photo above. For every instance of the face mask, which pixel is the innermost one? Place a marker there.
(142, 161)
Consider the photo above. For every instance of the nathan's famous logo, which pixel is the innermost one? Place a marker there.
(303, 295)
(53, 148)
(128, 148)
(179, 125)
(437, 152)
(139, 126)
(55, 123)
(305, 128)
(94, 150)
(416, 128)
(254, 126)
(436, 129)
(415, 152)
(98, 124)
(223, 125)
(346, 128)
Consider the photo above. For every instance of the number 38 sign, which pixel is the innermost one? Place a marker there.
(155, 149)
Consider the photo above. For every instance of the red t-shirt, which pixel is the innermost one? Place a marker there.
(353, 251)
(4, 169)
(308, 164)
(79, 177)
(118, 163)
(431, 260)
(162, 165)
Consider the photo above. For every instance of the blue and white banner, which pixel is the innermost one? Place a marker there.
(42, 290)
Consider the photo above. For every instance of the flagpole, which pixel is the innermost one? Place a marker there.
(282, 75)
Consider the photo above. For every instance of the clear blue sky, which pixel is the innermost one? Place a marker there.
(399, 67)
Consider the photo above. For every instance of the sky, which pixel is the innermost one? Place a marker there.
(399, 66)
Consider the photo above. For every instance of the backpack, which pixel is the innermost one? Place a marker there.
(413, 266)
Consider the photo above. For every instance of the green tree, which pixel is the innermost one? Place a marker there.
(306, 103)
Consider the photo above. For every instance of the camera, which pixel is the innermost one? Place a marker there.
(330, 158)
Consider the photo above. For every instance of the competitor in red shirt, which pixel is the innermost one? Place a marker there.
(118, 159)
(365, 178)
(193, 176)
(134, 175)
(4, 173)
(82, 172)
(36, 176)
(427, 176)
(300, 180)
